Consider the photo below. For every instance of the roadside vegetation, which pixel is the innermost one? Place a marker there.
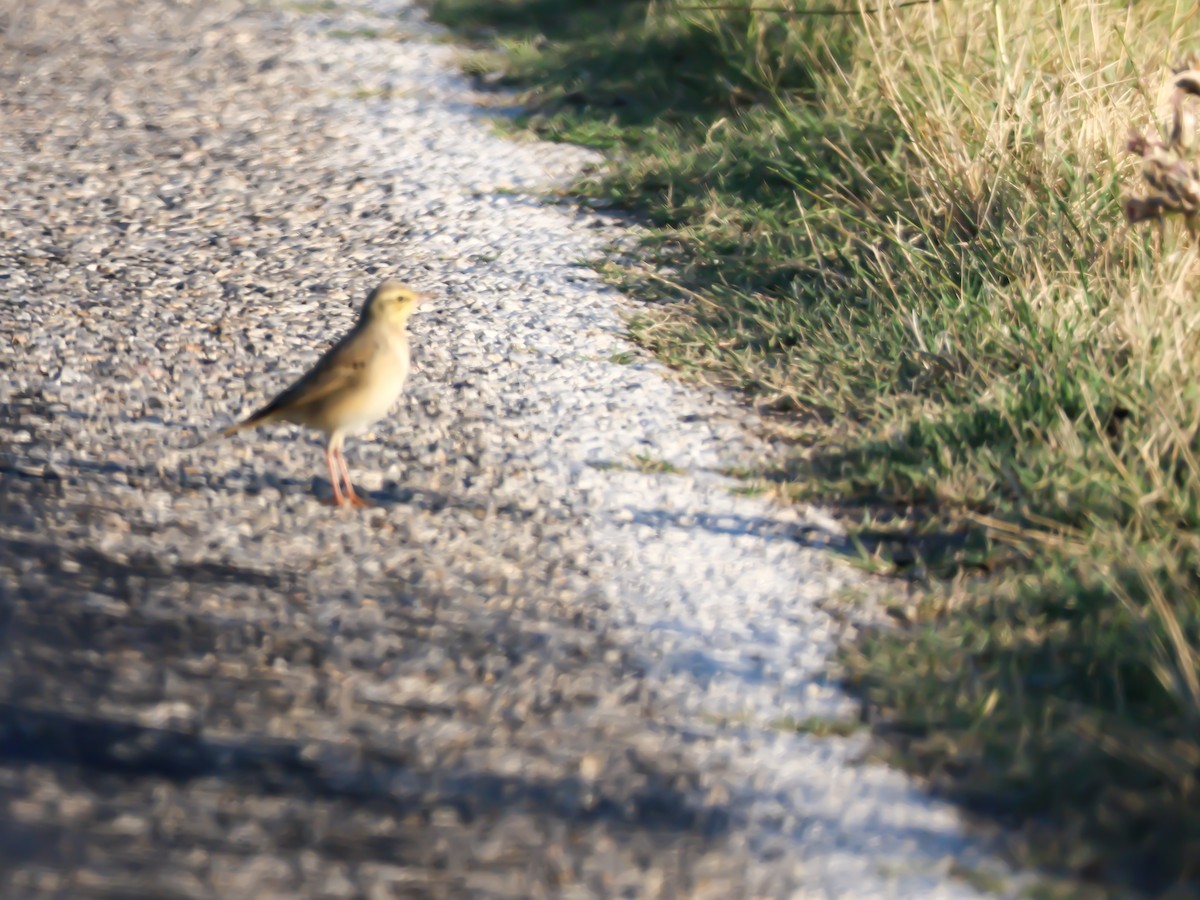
(903, 232)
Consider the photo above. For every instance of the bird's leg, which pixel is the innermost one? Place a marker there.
(334, 475)
(351, 496)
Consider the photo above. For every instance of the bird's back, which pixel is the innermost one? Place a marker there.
(352, 385)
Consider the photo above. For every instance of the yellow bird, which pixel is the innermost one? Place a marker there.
(353, 385)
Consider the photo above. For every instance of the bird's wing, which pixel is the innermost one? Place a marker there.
(341, 368)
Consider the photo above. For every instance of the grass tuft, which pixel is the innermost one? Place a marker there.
(649, 464)
(905, 232)
(819, 726)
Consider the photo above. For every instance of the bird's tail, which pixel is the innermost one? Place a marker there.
(259, 418)
(171, 455)
(236, 427)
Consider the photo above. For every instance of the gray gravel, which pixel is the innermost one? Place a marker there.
(535, 668)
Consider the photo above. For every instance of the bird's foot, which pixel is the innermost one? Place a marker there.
(354, 502)
(352, 499)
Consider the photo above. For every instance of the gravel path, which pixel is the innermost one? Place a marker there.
(538, 667)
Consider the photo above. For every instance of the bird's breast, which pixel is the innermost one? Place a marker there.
(383, 383)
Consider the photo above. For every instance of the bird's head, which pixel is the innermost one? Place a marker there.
(392, 302)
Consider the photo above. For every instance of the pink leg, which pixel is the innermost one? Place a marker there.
(351, 496)
(334, 475)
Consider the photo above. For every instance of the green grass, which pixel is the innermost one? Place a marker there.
(310, 6)
(903, 233)
(606, 465)
(645, 463)
(352, 34)
(986, 883)
(649, 464)
(818, 726)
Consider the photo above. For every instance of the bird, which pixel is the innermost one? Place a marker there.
(354, 384)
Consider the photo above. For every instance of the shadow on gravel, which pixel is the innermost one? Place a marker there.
(377, 799)
(389, 495)
(22, 442)
(123, 688)
(808, 535)
(372, 775)
(249, 482)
